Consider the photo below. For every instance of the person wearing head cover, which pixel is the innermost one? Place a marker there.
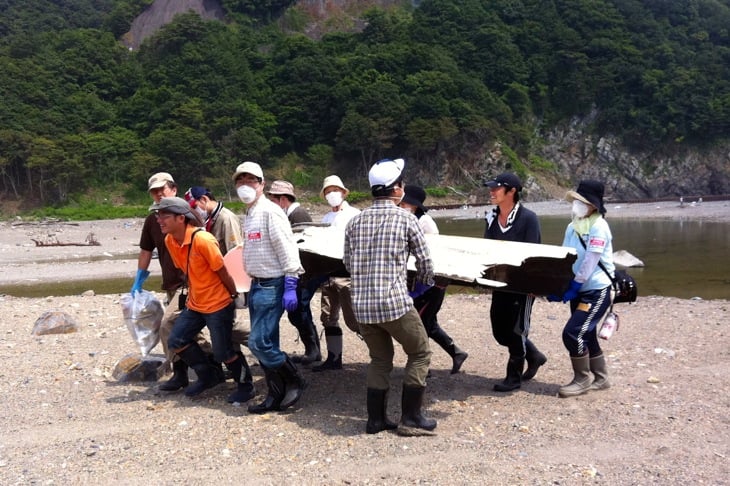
(429, 302)
(378, 242)
(210, 300)
(225, 225)
(336, 289)
(589, 292)
(282, 194)
(509, 312)
(272, 261)
(162, 185)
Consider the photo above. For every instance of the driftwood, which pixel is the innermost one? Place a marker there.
(53, 241)
(45, 222)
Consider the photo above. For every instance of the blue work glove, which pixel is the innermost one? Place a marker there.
(572, 291)
(290, 294)
(552, 298)
(139, 280)
(419, 290)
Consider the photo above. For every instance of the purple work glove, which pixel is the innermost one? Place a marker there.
(572, 291)
(419, 290)
(290, 294)
(552, 298)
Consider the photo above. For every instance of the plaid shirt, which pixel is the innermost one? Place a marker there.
(269, 248)
(378, 242)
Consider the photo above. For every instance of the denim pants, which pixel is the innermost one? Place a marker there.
(265, 308)
(302, 317)
(587, 310)
(220, 324)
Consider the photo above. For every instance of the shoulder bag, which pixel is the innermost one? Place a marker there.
(624, 285)
(183, 297)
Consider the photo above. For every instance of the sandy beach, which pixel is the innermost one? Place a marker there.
(67, 420)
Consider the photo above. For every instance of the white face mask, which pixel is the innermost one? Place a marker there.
(580, 209)
(334, 198)
(202, 213)
(247, 194)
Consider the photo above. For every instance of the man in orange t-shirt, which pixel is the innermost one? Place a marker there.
(210, 301)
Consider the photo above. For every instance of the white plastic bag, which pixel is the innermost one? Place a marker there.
(143, 315)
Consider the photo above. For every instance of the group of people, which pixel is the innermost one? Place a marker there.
(376, 299)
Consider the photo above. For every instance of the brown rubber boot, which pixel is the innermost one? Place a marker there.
(581, 380)
(598, 368)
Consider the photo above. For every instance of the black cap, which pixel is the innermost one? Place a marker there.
(506, 179)
(415, 195)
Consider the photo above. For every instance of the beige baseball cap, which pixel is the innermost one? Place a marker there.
(159, 180)
(249, 168)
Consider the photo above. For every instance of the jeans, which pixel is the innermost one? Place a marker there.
(587, 310)
(265, 308)
(302, 317)
(220, 324)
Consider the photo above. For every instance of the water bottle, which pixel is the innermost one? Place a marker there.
(610, 324)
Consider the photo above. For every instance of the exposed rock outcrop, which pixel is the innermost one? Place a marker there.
(162, 12)
(651, 172)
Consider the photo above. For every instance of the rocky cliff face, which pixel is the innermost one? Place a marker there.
(162, 12)
(654, 172)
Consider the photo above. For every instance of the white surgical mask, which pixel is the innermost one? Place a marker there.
(580, 209)
(247, 194)
(202, 213)
(334, 198)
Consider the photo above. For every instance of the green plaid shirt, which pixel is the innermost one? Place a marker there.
(378, 242)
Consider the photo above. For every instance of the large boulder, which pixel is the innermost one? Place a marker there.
(54, 322)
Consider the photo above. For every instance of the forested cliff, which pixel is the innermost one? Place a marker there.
(636, 93)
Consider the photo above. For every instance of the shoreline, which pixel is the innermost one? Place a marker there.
(24, 263)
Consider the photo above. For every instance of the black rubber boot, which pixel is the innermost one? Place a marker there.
(458, 356)
(378, 412)
(309, 337)
(208, 375)
(333, 336)
(179, 377)
(534, 359)
(275, 393)
(331, 363)
(244, 381)
(412, 421)
(513, 380)
(294, 384)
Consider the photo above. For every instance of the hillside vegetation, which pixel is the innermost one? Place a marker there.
(447, 85)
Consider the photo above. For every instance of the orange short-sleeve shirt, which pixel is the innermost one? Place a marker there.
(206, 291)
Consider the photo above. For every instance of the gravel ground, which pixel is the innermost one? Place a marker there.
(66, 420)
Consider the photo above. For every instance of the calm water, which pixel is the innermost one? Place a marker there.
(683, 258)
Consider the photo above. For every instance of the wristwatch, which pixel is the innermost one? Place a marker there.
(234, 296)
